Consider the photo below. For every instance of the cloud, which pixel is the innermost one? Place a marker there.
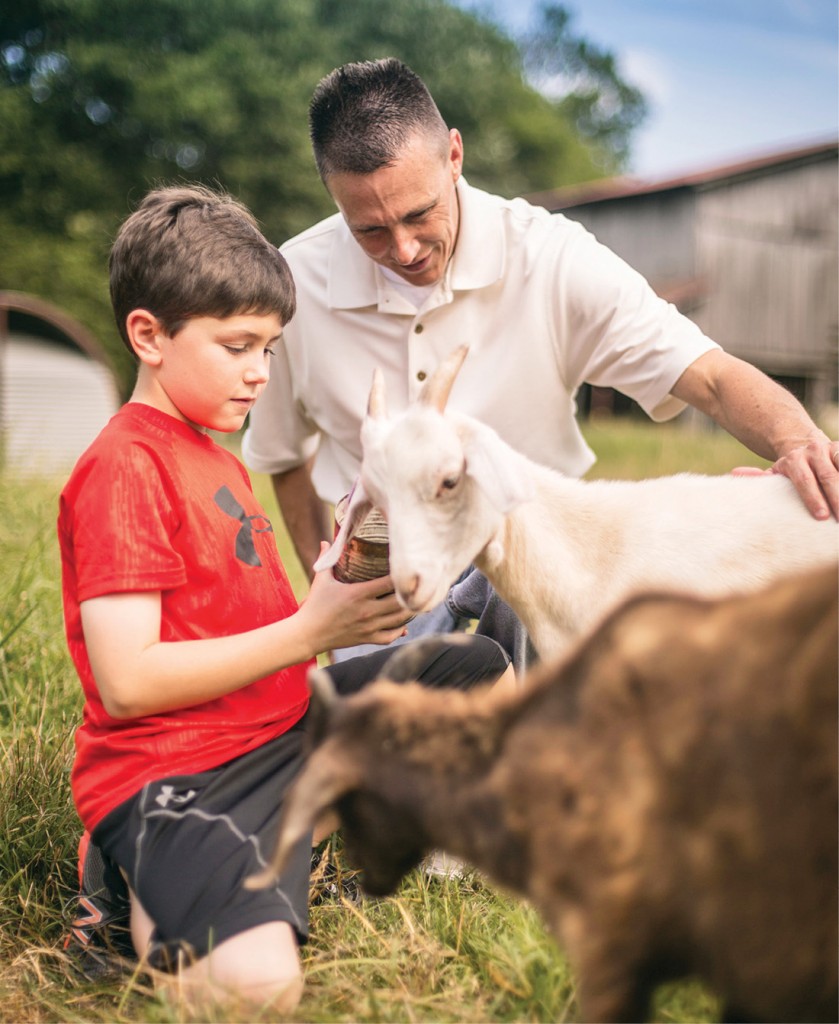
(649, 73)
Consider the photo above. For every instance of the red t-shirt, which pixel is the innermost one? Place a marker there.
(154, 505)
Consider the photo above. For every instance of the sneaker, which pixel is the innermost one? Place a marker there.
(442, 865)
(330, 881)
(100, 934)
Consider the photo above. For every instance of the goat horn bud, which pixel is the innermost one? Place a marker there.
(376, 406)
(439, 384)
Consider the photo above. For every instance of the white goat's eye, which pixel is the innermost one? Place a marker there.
(451, 482)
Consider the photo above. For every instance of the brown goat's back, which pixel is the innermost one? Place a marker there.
(680, 787)
(666, 797)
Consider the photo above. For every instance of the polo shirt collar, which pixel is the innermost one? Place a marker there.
(480, 254)
(352, 275)
(478, 261)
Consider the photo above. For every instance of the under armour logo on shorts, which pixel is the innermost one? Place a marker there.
(245, 549)
(167, 795)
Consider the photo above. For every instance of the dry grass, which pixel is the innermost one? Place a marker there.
(454, 950)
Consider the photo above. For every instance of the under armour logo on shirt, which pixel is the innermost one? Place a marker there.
(245, 549)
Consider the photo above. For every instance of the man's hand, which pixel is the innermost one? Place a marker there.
(768, 420)
(813, 469)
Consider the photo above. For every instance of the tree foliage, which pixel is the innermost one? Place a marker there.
(604, 108)
(101, 99)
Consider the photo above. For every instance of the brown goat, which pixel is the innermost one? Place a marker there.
(666, 797)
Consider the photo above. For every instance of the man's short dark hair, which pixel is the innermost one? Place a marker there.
(189, 251)
(362, 114)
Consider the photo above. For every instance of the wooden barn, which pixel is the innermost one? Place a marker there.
(57, 389)
(749, 251)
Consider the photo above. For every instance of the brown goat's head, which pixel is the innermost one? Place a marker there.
(372, 757)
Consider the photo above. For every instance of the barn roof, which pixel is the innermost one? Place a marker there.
(63, 324)
(57, 388)
(625, 187)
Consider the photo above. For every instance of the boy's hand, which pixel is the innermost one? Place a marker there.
(346, 614)
(122, 633)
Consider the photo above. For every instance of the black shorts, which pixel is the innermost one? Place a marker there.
(188, 842)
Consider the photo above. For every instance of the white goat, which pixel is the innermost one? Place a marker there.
(560, 551)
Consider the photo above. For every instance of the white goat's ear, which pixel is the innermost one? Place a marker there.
(436, 390)
(496, 468)
(357, 508)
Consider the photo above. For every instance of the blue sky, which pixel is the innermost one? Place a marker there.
(725, 79)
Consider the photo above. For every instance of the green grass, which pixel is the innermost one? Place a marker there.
(633, 450)
(438, 951)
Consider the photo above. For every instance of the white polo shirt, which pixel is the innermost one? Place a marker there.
(541, 304)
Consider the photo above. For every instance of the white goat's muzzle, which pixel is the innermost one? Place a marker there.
(418, 591)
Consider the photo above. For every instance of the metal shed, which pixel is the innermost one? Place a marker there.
(749, 251)
(57, 389)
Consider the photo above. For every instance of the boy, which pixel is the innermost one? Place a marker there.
(190, 646)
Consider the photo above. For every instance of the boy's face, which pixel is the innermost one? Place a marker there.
(213, 370)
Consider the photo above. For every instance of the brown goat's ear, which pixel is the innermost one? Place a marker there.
(408, 660)
(324, 701)
(325, 778)
(437, 388)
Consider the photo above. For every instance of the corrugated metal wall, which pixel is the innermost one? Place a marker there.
(653, 233)
(770, 252)
(53, 401)
(759, 243)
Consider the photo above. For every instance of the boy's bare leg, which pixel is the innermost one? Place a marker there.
(507, 682)
(259, 967)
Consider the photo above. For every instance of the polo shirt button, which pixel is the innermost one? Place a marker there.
(421, 375)
(418, 329)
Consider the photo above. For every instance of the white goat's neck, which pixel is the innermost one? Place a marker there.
(541, 554)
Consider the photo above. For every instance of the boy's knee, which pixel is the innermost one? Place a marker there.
(257, 969)
(266, 975)
(284, 995)
(271, 990)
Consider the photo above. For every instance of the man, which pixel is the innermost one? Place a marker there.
(417, 262)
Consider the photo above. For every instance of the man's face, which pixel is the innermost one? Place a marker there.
(405, 216)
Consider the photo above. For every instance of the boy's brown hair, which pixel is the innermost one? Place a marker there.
(189, 251)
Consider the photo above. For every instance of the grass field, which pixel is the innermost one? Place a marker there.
(439, 951)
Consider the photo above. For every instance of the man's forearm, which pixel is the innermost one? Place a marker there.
(748, 404)
(306, 516)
